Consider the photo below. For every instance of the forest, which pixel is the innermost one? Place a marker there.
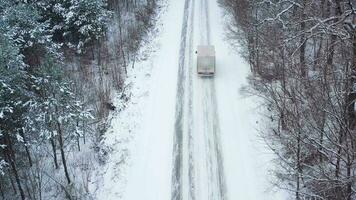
(302, 55)
(60, 63)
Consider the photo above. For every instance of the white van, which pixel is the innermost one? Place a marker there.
(206, 60)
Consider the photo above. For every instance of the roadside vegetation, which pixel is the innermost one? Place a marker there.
(60, 63)
(302, 55)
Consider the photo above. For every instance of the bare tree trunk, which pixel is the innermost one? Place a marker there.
(99, 52)
(1, 188)
(297, 193)
(61, 147)
(38, 180)
(303, 41)
(78, 137)
(26, 148)
(321, 139)
(84, 132)
(27, 188)
(12, 183)
(11, 159)
(17, 178)
(256, 45)
(349, 178)
(354, 51)
(78, 143)
(122, 45)
(122, 52)
(53, 145)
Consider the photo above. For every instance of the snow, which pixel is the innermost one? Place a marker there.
(129, 134)
(150, 175)
(246, 158)
(222, 156)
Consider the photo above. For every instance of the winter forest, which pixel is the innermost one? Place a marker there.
(303, 57)
(62, 62)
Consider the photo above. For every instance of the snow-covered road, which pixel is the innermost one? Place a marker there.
(198, 171)
(197, 139)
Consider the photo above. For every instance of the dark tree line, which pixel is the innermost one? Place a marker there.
(303, 58)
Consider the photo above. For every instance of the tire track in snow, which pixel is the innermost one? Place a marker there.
(214, 146)
(183, 176)
(216, 185)
(177, 178)
(190, 108)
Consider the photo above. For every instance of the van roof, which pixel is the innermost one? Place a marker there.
(206, 50)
